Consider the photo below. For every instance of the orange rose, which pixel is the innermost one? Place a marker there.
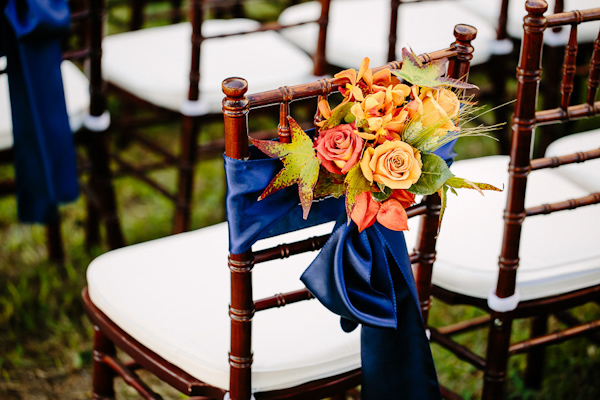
(395, 164)
(339, 148)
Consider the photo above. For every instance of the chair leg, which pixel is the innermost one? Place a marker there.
(103, 375)
(54, 240)
(534, 374)
(92, 226)
(103, 190)
(494, 377)
(185, 184)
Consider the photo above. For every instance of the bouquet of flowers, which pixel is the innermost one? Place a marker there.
(377, 146)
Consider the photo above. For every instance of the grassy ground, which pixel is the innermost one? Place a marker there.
(46, 341)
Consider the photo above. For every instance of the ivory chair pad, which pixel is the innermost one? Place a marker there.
(154, 63)
(359, 29)
(77, 97)
(172, 295)
(490, 10)
(586, 175)
(470, 238)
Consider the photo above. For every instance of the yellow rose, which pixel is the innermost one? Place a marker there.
(448, 100)
(395, 164)
(436, 114)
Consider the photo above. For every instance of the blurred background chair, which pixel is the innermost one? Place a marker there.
(509, 14)
(86, 107)
(547, 264)
(174, 71)
(165, 302)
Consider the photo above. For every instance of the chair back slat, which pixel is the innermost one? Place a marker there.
(568, 71)
(553, 162)
(569, 204)
(594, 76)
(282, 299)
(283, 128)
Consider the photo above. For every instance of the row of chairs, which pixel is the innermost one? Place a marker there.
(160, 69)
(165, 302)
(168, 320)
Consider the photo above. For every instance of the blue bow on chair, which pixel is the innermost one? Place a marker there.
(45, 165)
(366, 277)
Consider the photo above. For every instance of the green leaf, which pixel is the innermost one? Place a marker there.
(329, 184)
(429, 75)
(443, 193)
(434, 174)
(460, 183)
(300, 165)
(356, 184)
(384, 194)
(339, 113)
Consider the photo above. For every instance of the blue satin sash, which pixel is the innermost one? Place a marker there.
(45, 165)
(366, 277)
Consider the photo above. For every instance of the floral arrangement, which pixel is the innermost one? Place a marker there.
(376, 147)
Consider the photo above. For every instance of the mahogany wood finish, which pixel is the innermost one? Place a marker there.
(526, 118)
(85, 46)
(236, 109)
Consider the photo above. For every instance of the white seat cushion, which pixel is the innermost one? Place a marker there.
(586, 175)
(154, 63)
(559, 252)
(490, 10)
(77, 97)
(172, 295)
(359, 29)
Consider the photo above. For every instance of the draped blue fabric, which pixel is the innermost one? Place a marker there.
(365, 277)
(251, 220)
(45, 166)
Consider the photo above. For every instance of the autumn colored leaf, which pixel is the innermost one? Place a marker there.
(338, 114)
(460, 183)
(329, 184)
(356, 184)
(300, 165)
(454, 183)
(429, 75)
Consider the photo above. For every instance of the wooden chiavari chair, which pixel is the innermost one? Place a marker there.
(503, 254)
(165, 302)
(88, 118)
(174, 71)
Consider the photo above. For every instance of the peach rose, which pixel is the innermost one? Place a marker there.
(395, 164)
(339, 148)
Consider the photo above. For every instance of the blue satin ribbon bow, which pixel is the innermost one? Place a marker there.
(365, 277)
(45, 165)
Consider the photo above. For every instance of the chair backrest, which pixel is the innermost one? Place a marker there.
(236, 107)
(87, 19)
(527, 117)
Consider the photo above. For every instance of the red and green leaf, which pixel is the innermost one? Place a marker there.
(429, 75)
(356, 184)
(300, 165)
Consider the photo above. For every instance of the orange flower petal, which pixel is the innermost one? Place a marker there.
(365, 211)
(393, 216)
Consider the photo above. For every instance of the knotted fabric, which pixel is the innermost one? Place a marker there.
(45, 166)
(365, 277)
